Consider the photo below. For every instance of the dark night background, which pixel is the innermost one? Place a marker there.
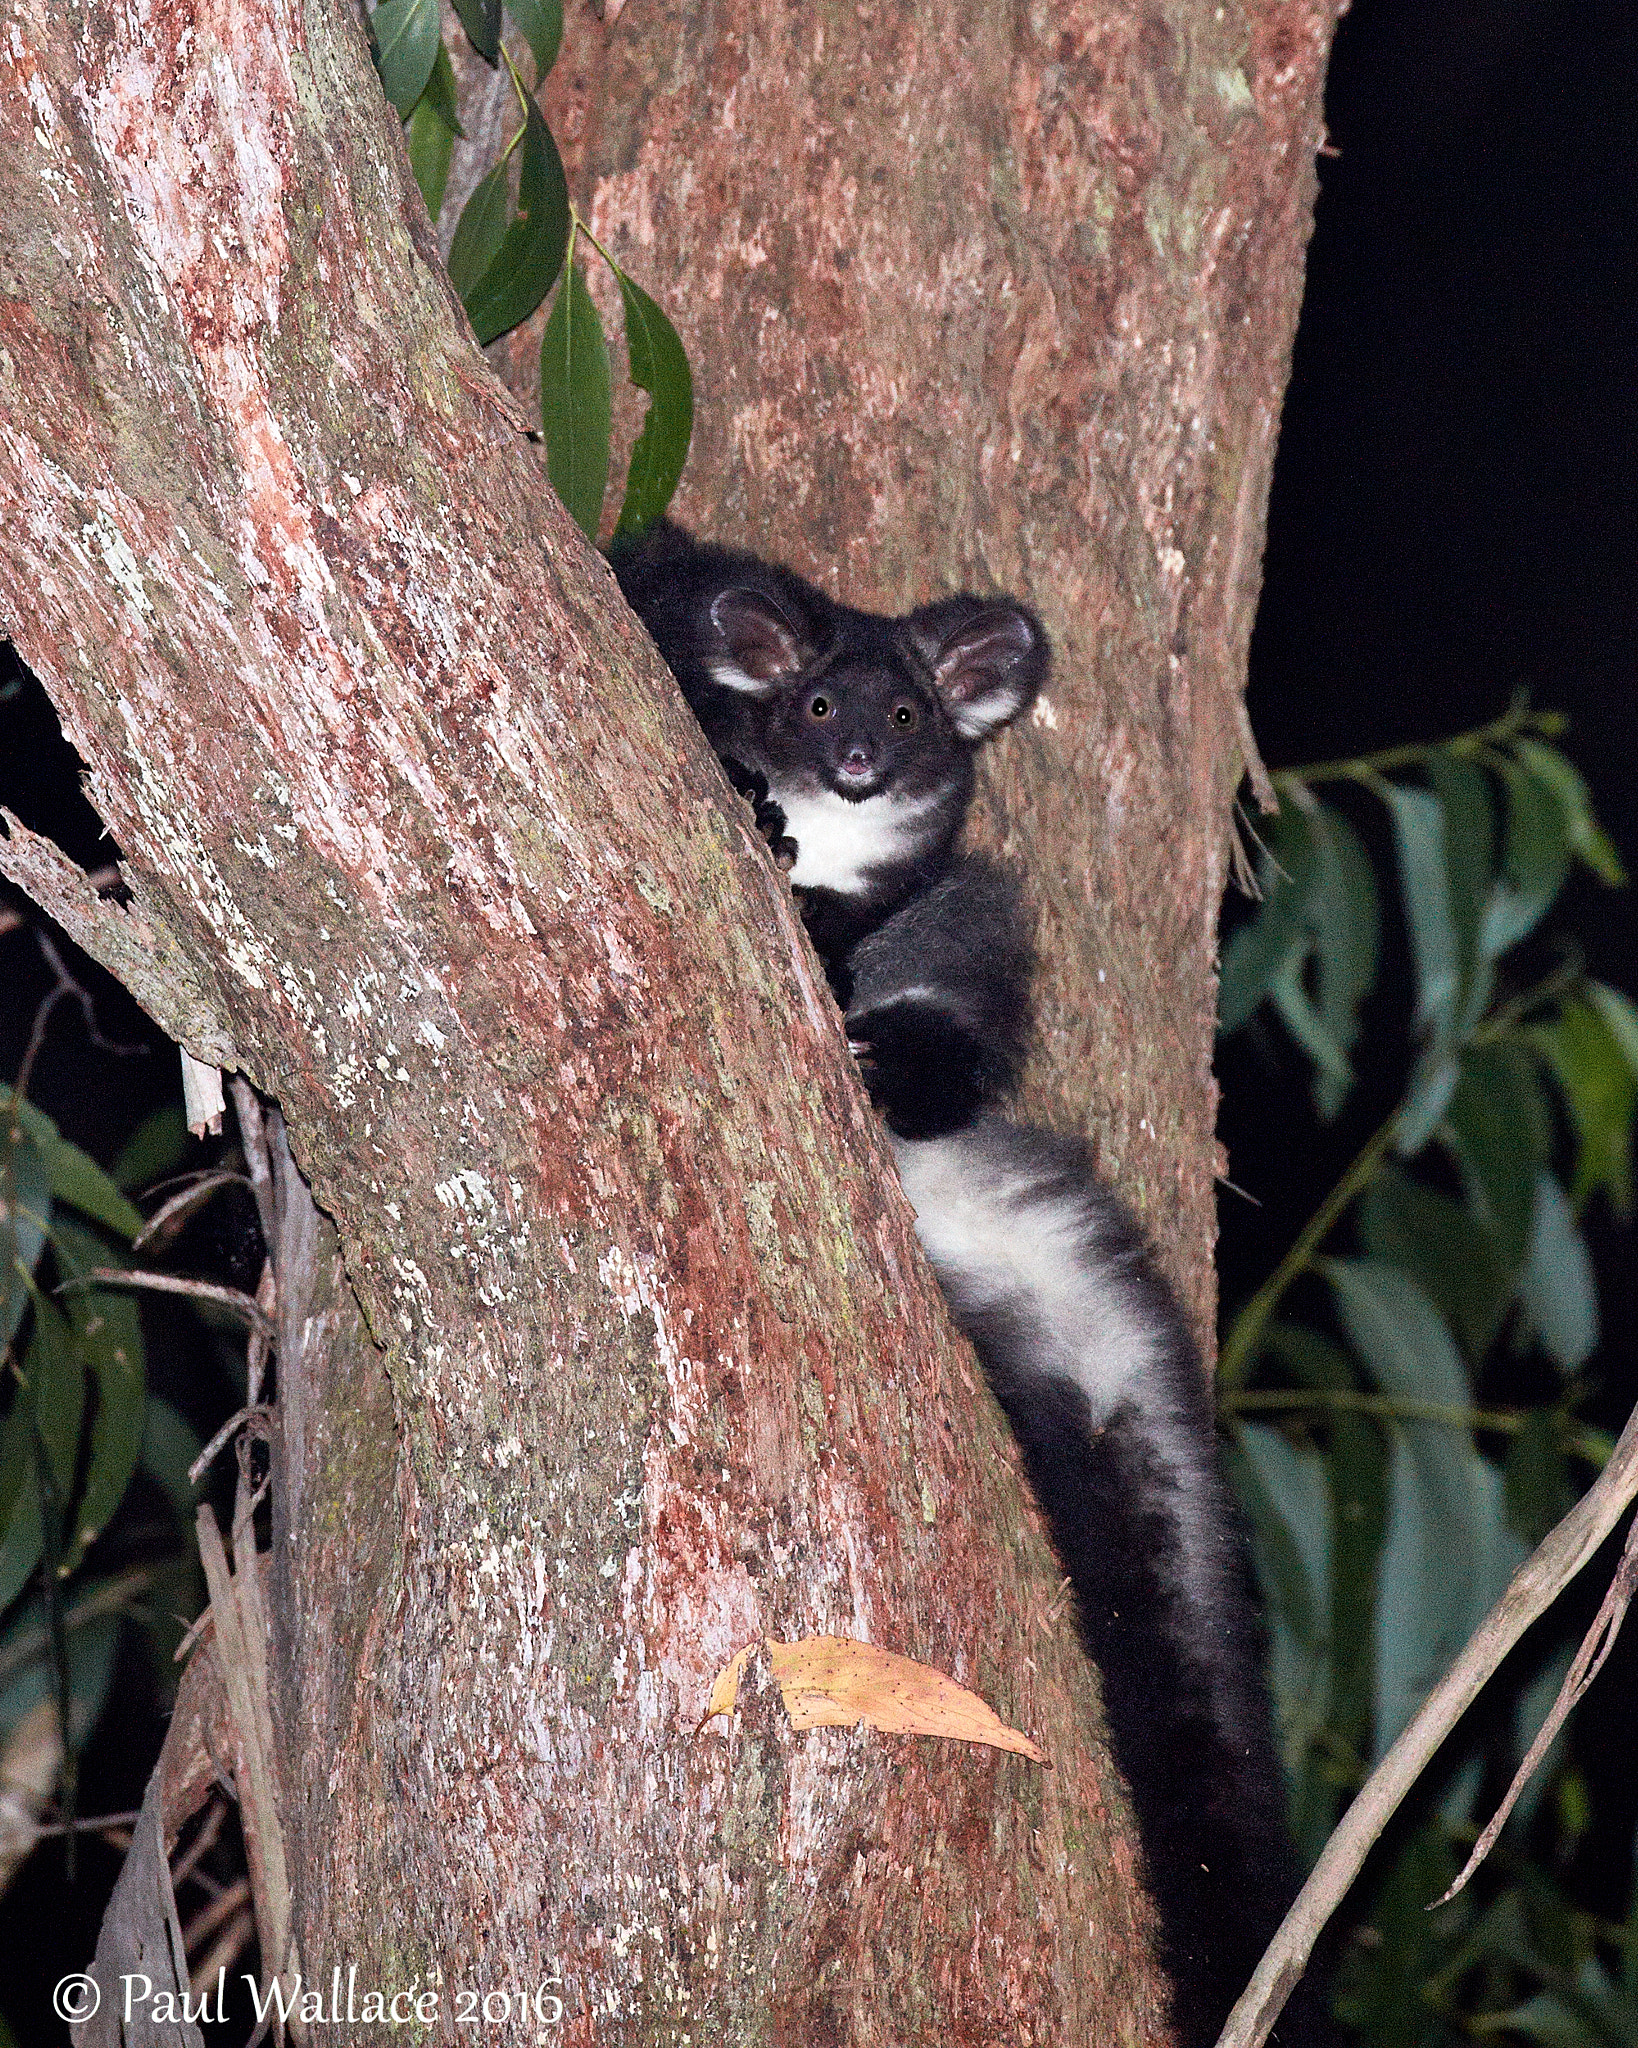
(1454, 518)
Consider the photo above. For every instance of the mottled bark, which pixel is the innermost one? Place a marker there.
(430, 851)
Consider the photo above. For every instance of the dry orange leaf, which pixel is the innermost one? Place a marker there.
(725, 1687)
(832, 1682)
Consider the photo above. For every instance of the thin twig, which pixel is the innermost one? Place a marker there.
(1585, 1667)
(116, 1596)
(233, 1299)
(65, 985)
(1518, 718)
(210, 1916)
(254, 1412)
(237, 1937)
(92, 1824)
(1240, 1346)
(1591, 1444)
(1533, 1588)
(174, 1211)
(203, 1624)
(253, 1130)
(259, 1348)
(201, 1845)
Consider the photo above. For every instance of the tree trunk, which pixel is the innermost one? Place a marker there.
(421, 840)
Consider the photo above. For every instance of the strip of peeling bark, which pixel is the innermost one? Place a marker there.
(448, 874)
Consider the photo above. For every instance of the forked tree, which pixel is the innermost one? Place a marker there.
(604, 1345)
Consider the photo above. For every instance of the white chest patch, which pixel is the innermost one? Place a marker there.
(838, 844)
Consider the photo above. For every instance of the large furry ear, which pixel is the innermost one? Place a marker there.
(762, 643)
(988, 660)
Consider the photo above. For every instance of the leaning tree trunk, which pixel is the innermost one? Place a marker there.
(420, 840)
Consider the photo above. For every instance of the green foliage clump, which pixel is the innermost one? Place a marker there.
(506, 256)
(77, 1422)
(1392, 1490)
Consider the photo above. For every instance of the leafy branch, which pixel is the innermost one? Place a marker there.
(504, 261)
(1365, 1426)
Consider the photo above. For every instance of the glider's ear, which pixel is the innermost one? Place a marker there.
(761, 641)
(988, 658)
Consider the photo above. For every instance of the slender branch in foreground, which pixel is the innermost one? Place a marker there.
(1533, 1589)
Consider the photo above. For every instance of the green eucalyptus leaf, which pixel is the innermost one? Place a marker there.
(1257, 952)
(1398, 1332)
(45, 1420)
(1447, 1555)
(1620, 1017)
(441, 96)
(574, 402)
(1284, 1495)
(91, 1652)
(19, 1498)
(1589, 1061)
(658, 364)
(154, 1148)
(1289, 1510)
(1419, 835)
(1470, 854)
(480, 231)
(531, 252)
(20, 1541)
(1446, 1552)
(1320, 904)
(56, 1374)
(408, 36)
(1555, 1932)
(91, 1647)
(431, 145)
(1557, 1288)
(542, 24)
(1498, 1126)
(1568, 784)
(25, 1214)
(481, 19)
(170, 1443)
(1535, 862)
(1388, 2005)
(1548, 2019)
(1453, 1255)
(1345, 918)
(1310, 1359)
(1434, 1081)
(1591, 2012)
(77, 1179)
(79, 1250)
(1276, 936)
(1357, 1471)
(108, 1335)
(431, 130)
(1308, 1027)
